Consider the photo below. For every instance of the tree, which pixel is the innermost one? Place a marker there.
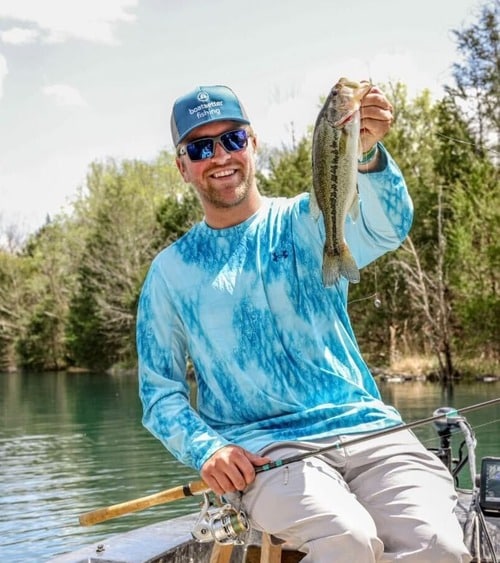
(53, 256)
(15, 301)
(474, 231)
(120, 218)
(477, 77)
(290, 171)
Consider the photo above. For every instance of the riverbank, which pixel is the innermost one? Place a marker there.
(405, 368)
(425, 368)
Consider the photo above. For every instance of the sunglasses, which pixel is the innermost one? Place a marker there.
(201, 149)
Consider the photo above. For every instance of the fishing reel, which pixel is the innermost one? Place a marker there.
(222, 524)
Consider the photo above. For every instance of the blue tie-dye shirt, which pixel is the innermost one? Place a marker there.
(274, 353)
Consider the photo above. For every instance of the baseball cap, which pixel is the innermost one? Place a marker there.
(205, 104)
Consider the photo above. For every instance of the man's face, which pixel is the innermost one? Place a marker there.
(223, 181)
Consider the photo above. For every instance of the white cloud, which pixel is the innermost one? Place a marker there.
(60, 20)
(64, 95)
(3, 73)
(19, 36)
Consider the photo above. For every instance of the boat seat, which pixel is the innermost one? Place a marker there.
(269, 553)
(221, 553)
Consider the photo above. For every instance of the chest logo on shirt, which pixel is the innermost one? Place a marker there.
(280, 255)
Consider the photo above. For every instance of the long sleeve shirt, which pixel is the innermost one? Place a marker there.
(273, 350)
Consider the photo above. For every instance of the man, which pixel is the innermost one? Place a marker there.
(277, 366)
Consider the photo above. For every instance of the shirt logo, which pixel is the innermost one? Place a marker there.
(280, 255)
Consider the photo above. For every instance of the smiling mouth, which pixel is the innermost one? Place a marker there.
(223, 173)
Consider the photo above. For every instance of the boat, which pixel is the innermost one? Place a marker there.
(215, 536)
(171, 541)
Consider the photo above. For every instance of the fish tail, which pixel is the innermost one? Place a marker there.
(331, 267)
(342, 264)
(348, 267)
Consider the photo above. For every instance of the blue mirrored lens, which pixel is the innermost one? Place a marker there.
(234, 140)
(202, 149)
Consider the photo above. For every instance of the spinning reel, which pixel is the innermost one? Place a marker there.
(223, 524)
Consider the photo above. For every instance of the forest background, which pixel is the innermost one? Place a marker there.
(68, 293)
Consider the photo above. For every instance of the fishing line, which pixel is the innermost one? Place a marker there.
(375, 296)
(434, 440)
(372, 296)
(470, 143)
(377, 302)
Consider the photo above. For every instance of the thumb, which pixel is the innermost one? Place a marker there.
(258, 460)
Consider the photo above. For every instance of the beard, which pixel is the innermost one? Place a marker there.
(216, 197)
(226, 197)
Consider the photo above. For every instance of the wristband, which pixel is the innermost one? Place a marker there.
(369, 155)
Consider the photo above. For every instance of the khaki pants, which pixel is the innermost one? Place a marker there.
(386, 499)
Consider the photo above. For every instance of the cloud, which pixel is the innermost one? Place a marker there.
(61, 20)
(3, 72)
(19, 36)
(64, 95)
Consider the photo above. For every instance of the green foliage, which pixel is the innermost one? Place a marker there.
(41, 347)
(290, 171)
(51, 252)
(177, 215)
(15, 304)
(122, 234)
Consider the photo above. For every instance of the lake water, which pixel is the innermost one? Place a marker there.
(71, 443)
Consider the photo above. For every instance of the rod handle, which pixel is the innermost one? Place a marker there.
(168, 495)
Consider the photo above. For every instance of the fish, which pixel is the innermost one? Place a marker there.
(336, 148)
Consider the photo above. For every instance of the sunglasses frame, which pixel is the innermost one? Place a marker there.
(182, 149)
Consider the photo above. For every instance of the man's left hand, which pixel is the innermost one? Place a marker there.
(376, 117)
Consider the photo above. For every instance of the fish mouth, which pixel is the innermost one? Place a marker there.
(345, 119)
(359, 92)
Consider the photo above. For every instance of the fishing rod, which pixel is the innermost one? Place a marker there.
(352, 442)
(199, 487)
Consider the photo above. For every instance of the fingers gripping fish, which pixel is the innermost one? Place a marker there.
(335, 150)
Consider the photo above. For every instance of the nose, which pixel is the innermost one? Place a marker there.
(220, 152)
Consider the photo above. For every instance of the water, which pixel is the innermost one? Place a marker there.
(71, 443)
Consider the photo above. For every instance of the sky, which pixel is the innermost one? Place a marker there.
(86, 80)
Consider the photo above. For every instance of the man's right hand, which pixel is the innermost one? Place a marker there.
(231, 469)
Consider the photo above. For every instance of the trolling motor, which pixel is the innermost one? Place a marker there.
(223, 524)
(445, 426)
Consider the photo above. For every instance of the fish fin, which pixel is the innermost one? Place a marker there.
(354, 208)
(348, 267)
(343, 264)
(360, 148)
(331, 268)
(314, 206)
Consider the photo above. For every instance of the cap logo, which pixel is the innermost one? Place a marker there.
(203, 96)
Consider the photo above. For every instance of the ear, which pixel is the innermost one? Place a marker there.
(181, 166)
(255, 142)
